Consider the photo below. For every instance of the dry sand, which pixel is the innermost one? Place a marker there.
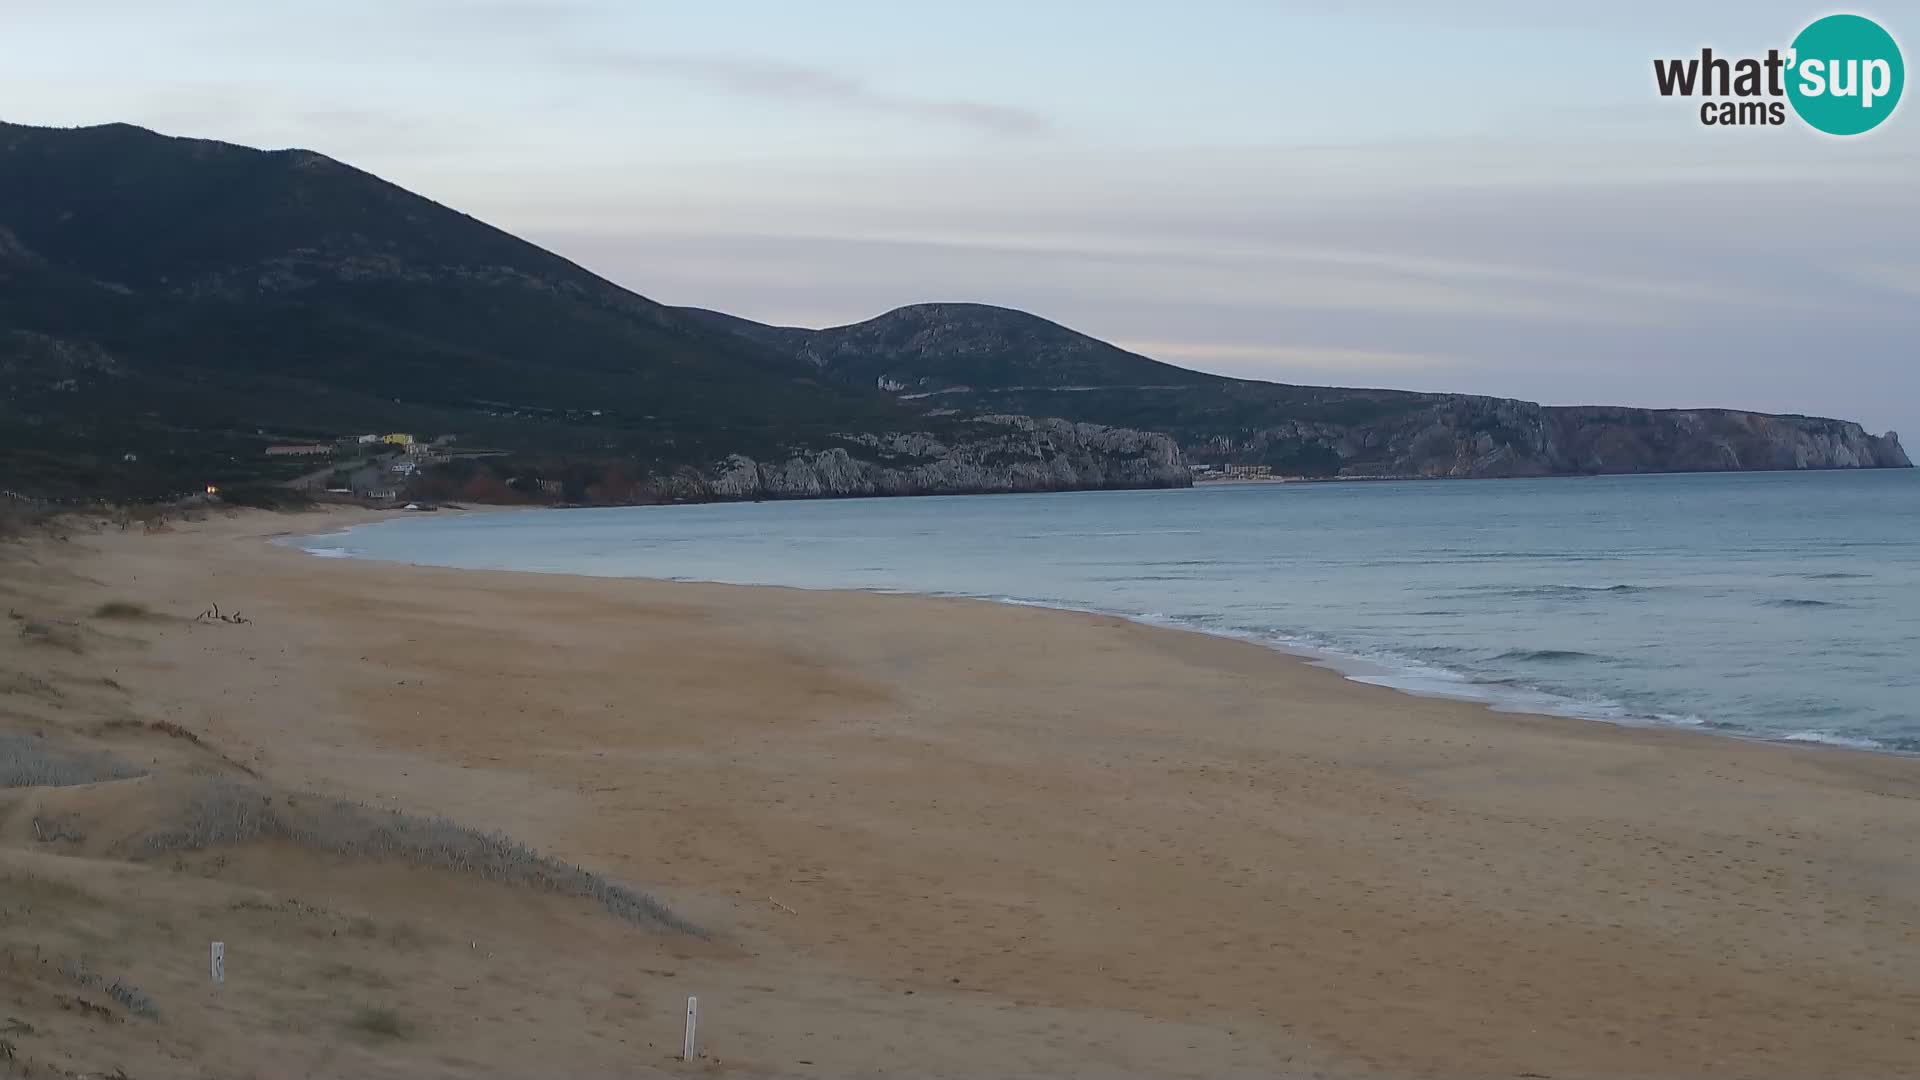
(928, 837)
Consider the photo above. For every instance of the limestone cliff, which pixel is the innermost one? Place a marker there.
(990, 454)
(1598, 439)
(1465, 436)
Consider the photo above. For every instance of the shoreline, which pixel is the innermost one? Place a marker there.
(950, 837)
(1399, 675)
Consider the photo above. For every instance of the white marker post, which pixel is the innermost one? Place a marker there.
(217, 962)
(693, 1020)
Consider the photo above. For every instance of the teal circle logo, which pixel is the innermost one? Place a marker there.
(1846, 74)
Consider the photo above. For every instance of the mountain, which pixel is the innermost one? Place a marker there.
(976, 357)
(928, 349)
(169, 307)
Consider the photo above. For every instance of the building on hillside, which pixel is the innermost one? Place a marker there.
(1231, 472)
(365, 440)
(398, 438)
(300, 450)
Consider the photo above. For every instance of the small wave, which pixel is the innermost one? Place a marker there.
(1016, 601)
(329, 552)
(1829, 738)
(1103, 534)
(1545, 556)
(1423, 678)
(1796, 602)
(1837, 575)
(1558, 590)
(1547, 655)
(1429, 678)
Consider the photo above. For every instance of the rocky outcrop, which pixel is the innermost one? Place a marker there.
(1608, 440)
(1466, 436)
(997, 454)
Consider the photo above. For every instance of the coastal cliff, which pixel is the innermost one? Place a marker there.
(989, 454)
(1001, 454)
(975, 356)
(1466, 436)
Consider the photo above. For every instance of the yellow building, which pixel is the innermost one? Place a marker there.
(398, 439)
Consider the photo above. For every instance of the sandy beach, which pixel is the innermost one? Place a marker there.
(924, 837)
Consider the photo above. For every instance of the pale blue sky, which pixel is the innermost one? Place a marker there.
(1485, 196)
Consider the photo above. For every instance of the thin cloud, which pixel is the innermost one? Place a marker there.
(491, 16)
(1259, 360)
(1892, 277)
(765, 78)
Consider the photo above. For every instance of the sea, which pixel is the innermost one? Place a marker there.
(1781, 606)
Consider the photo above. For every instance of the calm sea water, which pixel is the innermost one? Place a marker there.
(1780, 605)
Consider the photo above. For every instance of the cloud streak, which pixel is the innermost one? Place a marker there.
(778, 80)
(1259, 360)
(1618, 291)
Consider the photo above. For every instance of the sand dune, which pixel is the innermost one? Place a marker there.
(925, 837)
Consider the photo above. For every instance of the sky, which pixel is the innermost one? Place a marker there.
(1485, 196)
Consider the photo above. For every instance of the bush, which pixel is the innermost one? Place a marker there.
(36, 632)
(121, 609)
(265, 497)
(131, 998)
(384, 1023)
(19, 519)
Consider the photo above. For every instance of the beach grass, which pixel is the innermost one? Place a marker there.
(226, 811)
(31, 761)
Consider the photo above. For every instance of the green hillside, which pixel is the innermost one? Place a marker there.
(188, 302)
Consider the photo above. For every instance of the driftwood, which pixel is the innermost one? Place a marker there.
(212, 614)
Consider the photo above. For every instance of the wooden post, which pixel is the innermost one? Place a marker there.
(217, 962)
(693, 1020)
